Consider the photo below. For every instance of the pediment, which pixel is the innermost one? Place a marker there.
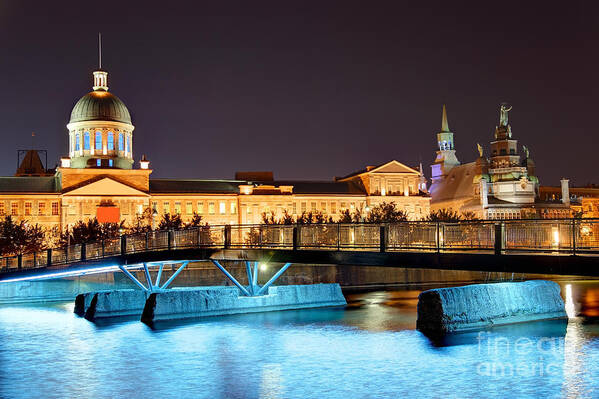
(394, 167)
(106, 187)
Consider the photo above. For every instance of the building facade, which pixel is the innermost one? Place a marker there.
(502, 186)
(99, 179)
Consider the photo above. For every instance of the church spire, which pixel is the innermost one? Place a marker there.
(444, 124)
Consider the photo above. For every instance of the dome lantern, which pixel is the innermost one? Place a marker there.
(100, 80)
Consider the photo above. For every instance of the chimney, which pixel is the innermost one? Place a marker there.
(565, 191)
(484, 192)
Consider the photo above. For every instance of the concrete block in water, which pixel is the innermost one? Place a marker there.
(482, 305)
(195, 302)
(110, 303)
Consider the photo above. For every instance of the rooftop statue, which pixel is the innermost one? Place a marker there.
(526, 151)
(503, 117)
(480, 150)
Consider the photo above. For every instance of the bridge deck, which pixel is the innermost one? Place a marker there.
(565, 247)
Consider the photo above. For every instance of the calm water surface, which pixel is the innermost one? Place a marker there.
(368, 350)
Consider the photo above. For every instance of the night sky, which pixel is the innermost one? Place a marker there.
(309, 90)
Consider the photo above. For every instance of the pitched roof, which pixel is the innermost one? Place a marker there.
(32, 165)
(374, 169)
(29, 184)
(457, 185)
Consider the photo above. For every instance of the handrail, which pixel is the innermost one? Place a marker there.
(562, 236)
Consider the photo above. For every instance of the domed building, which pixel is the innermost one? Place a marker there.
(100, 179)
(100, 129)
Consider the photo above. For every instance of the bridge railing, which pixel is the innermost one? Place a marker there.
(567, 236)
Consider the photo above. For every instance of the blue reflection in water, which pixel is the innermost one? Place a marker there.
(367, 350)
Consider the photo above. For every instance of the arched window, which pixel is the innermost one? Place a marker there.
(121, 142)
(110, 141)
(77, 145)
(129, 144)
(98, 145)
(86, 141)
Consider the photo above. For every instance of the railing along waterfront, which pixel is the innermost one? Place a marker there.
(562, 236)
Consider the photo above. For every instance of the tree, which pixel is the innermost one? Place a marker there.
(386, 212)
(18, 238)
(196, 221)
(469, 215)
(443, 215)
(142, 223)
(92, 230)
(170, 222)
(345, 216)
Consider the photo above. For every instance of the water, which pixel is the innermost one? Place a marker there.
(368, 350)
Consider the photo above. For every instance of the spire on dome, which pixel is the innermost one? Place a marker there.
(100, 76)
(444, 124)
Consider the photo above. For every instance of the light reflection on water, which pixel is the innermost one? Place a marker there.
(367, 350)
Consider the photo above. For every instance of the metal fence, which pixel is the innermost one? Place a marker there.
(565, 236)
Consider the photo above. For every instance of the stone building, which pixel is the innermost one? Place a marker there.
(584, 201)
(502, 186)
(99, 179)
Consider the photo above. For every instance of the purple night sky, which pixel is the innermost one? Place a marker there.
(308, 89)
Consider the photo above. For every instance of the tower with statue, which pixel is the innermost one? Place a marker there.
(502, 186)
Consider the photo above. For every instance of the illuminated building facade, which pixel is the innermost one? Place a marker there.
(503, 186)
(99, 179)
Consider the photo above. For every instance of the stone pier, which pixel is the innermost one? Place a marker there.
(480, 306)
(197, 302)
(108, 304)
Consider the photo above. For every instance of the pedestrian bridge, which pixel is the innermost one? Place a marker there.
(562, 247)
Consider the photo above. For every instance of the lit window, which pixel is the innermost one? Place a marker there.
(110, 141)
(233, 208)
(77, 143)
(178, 208)
(155, 206)
(222, 207)
(333, 207)
(166, 206)
(14, 209)
(211, 208)
(129, 144)
(303, 207)
(98, 162)
(110, 163)
(41, 208)
(189, 208)
(295, 208)
(121, 143)
(86, 141)
(313, 206)
(98, 146)
(200, 208)
(54, 208)
(27, 208)
(323, 207)
(2, 210)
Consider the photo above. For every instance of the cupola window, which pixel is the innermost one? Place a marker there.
(121, 143)
(77, 144)
(86, 141)
(129, 144)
